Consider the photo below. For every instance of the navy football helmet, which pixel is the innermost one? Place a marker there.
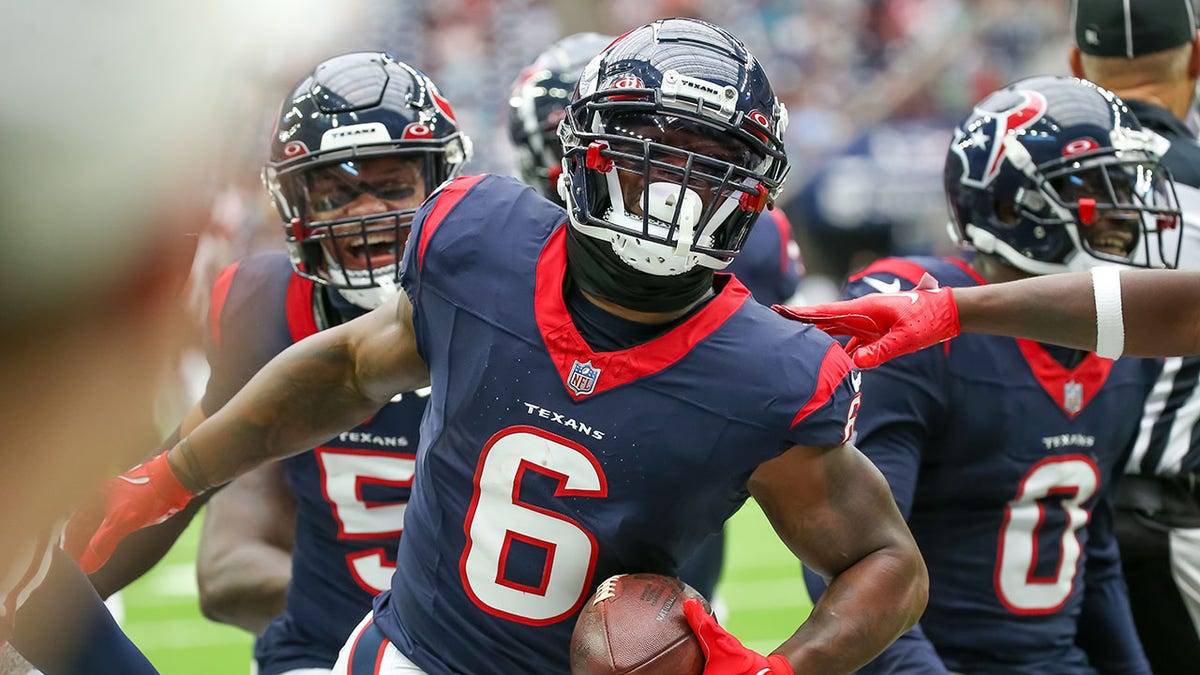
(538, 103)
(673, 146)
(1055, 174)
(358, 145)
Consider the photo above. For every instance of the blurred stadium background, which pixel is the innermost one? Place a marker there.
(873, 88)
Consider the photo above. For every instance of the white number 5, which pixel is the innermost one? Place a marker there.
(343, 473)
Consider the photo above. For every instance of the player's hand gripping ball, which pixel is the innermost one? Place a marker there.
(634, 625)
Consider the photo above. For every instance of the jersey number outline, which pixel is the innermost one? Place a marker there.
(1072, 479)
(343, 473)
(498, 518)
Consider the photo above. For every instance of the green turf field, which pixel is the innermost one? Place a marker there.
(761, 590)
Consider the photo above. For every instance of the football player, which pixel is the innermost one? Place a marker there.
(295, 550)
(769, 263)
(601, 400)
(1003, 453)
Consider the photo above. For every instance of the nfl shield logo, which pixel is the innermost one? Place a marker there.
(1072, 397)
(582, 380)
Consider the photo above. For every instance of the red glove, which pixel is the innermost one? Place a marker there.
(145, 495)
(723, 653)
(883, 326)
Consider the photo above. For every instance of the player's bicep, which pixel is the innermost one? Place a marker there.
(830, 505)
(384, 345)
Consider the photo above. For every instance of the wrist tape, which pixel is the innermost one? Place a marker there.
(1110, 321)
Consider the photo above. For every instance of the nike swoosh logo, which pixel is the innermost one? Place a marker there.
(142, 480)
(878, 285)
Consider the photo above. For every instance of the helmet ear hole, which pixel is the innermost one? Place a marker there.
(1006, 212)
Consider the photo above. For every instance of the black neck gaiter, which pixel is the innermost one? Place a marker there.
(598, 271)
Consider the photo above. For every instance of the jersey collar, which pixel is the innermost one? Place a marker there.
(585, 372)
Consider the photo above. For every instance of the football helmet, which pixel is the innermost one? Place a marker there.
(1054, 174)
(538, 103)
(358, 144)
(672, 147)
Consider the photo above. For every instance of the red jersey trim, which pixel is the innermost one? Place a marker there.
(834, 367)
(1063, 385)
(299, 307)
(965, 267)
(785, 237)
(443, 203)
(567, 347)
(911, 271)
(216, 304)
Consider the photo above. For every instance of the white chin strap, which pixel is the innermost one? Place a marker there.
(362, 294)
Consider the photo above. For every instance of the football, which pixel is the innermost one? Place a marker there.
(634, 625)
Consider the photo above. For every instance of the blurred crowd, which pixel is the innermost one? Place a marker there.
(872, 88)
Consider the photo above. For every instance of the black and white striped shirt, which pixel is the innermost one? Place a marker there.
(1168, 441)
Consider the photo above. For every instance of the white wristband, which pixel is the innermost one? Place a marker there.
(1110, 321)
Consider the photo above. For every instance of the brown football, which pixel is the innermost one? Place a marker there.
(634, 625)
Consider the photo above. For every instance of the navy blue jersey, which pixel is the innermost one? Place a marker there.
(545, 467)
(350, 492)
(1001, 454)
(770, 267)
(769, 264)
(1169, 441)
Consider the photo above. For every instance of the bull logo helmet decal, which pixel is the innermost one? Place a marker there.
(984, 148)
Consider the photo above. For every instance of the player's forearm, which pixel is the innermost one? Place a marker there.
(1037, 309)
(300, 399)
(1161, 310)
(246, 586)
(864, 609)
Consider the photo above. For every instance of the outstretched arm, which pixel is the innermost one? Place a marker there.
(1159, 314)
(324, 384)
(1160, 310)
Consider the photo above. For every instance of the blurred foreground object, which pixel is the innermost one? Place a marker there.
(112, 122)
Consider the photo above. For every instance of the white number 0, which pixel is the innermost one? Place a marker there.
(498, 518)
(1073, 479)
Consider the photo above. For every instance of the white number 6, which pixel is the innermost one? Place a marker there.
(498, 518)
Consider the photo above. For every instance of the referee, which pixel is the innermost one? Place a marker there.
(1148, 53)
